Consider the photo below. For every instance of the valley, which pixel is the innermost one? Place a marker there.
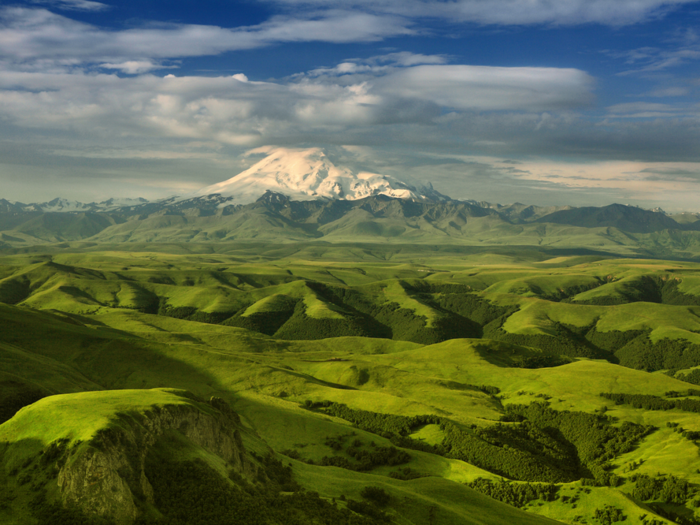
(359, 383)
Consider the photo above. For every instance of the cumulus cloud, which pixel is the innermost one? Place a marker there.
(397, 98)
(236, 111)
(509, 12)
(502, 111)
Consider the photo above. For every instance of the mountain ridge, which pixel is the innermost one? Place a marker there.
(61, 205)
(312, 194)
(626, 218)
(379, 218)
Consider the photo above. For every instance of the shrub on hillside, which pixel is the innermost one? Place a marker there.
(376, 495)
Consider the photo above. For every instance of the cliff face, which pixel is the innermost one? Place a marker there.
(106, 476)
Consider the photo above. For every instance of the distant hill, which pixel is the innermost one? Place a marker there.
(626, 218)
(275, 217)
(521, 213)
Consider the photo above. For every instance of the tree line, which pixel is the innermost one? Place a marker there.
(532, 442)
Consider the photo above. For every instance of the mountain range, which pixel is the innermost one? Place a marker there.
(301, 195)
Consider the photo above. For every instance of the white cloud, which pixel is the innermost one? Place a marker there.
(234, 110)
(34, 37)
(673, 184)
(505, 111)
(376, 65)
(426, 79)
(492, 88)
(29, 35)
(681, 49)
(509, 12)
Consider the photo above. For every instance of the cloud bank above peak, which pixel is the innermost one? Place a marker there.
(235, 111)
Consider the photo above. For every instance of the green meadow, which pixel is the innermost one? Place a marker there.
(370, 383)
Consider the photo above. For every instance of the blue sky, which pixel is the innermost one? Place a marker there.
(582, 102)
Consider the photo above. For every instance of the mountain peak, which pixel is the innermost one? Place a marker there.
(308, 174)
(272, 197)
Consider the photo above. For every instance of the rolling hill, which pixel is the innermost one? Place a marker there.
(626, 218)
(310, 344)
(366, 384)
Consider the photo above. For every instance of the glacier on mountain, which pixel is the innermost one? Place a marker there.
(308, 174)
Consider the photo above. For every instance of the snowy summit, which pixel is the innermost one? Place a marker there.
(307, 174)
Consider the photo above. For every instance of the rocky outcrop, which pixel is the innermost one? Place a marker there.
(106, 475)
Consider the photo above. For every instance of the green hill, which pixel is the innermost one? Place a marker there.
(613, 230)
(626, 218)
(366, 384)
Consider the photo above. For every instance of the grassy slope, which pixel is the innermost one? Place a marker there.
(76, 417)
(266, 379)
(302, 428)
(36, 372)
(450, 503)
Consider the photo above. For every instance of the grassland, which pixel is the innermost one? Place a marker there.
(440, 348)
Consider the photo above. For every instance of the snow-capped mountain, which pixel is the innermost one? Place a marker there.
(58, 205)
(123, 202)
(308, 174)
(65, 205)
